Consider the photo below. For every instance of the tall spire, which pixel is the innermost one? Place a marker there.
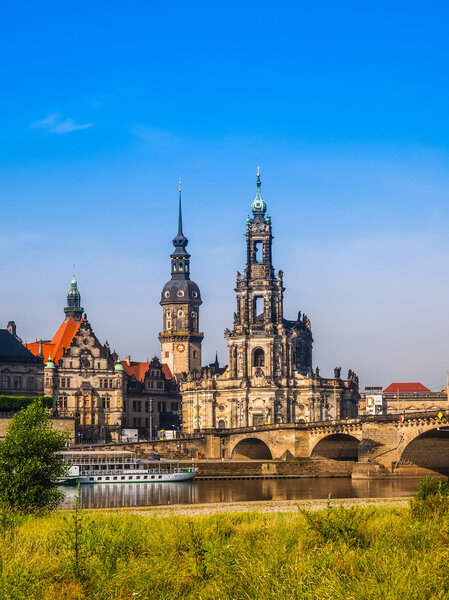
(180, 241)
(258, 206)
(180, 210)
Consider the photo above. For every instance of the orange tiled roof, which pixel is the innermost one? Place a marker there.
(62, 339)
(166, 371)
(406, 388)
(138, 369)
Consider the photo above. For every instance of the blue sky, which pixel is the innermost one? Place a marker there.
(344, 105)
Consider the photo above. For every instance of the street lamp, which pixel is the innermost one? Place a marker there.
(180, 446)
(150, 399)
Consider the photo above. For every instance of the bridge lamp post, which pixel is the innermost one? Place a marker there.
(150, 399)
(180, 446)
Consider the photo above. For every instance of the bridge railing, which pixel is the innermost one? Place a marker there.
(401, 416)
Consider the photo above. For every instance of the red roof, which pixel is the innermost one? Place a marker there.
(166, 371)
(138, 369)
(62, 339)
(406, 388)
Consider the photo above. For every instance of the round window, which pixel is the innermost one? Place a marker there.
(167, 294)
(194, 294)
(180, 294)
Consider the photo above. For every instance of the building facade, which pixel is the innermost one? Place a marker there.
(269, 377)
(403, 398)
(21, 372)
(89, 383)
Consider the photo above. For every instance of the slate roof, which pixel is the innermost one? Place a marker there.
(11, 350)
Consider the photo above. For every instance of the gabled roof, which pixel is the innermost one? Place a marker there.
(62, 339)
(138, 369)
(166, 371)
(406, 388)
(11, 350)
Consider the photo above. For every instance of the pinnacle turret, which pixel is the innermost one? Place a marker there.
(74, 308)
(258, 206)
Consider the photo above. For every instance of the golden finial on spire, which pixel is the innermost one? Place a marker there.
(258, 171)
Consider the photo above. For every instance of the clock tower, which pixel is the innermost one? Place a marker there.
(180, 301)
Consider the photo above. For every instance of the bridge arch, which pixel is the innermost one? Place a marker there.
(337, 446)
(252, 448)
(429, 450)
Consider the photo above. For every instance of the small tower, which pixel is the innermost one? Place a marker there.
(180, 301)
(74, 308)
(50, 387)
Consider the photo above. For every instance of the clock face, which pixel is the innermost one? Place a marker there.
(180, 347)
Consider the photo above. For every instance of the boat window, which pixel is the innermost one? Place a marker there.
(100, 478)
(115, 477)
(138, 477)
(160, 476)
(146, 477)
(122, 477)
(107, 478)
(91, 478)
(152, 476)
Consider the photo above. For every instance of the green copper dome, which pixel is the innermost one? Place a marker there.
(258, 206)
(118, 366)
(49, 364)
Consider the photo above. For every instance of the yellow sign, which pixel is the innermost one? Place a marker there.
(440, 415)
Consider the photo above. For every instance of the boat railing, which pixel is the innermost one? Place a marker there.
(146, 472)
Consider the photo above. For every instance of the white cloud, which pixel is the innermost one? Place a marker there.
(54, 123)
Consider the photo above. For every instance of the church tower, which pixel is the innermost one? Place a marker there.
(180, 301)
(74, 308)
(263, 343)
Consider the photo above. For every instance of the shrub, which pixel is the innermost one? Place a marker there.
(337, 525)
(16, 403)
(431, 499)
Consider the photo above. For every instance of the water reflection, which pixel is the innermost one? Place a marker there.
(112, 495)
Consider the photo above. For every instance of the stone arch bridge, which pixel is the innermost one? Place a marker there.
(412, 444)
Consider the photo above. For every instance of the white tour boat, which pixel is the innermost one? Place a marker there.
(103, 466)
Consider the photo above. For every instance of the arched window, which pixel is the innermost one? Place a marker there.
(221, 424)
(259, 358)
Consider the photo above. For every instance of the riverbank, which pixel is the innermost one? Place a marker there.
(252, 551)
(259, 506)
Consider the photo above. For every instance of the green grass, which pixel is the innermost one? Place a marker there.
(374, 552)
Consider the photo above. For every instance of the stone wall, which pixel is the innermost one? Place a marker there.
(62, 424)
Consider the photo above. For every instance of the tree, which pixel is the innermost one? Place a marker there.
(29, 465)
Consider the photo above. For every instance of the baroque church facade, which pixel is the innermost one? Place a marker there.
(269, 377)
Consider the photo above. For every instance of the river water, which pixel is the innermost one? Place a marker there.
(111, 495)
